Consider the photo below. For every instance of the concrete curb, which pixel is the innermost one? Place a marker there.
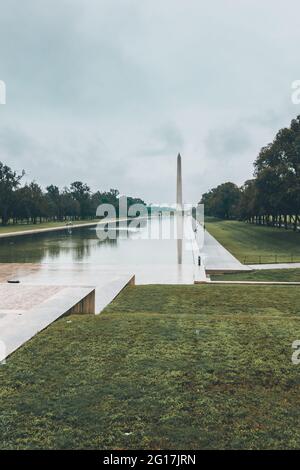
(250, 283)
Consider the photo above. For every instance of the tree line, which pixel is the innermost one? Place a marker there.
(29, 203)
(272, 197)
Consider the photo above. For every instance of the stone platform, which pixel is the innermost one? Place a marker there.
(41, 294)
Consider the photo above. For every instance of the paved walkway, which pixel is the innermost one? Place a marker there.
(15, 270)
(107, 280)
(59, 228)
(47, 292)
(45, 230)
(28, 309)
(275, 266)
(214, 256)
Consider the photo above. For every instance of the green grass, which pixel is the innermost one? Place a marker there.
(249, 242)
(23, 227)
(286, 275)
(172, 367)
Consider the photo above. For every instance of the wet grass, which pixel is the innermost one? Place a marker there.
(253, 244)
(164, 367)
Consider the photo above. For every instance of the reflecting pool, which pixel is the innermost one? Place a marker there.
(153, 242)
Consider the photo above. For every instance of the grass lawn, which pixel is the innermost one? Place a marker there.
(163, 367)
(286, 275)
(249, 242)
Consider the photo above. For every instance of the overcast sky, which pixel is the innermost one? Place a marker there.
(109, 91)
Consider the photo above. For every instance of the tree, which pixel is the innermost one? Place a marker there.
(273, 196)
(53, 201)
(69, 207)
(9, 182)
(277, 170)
(81, 193)
(30, 203)
(249, 203)
(222, 201)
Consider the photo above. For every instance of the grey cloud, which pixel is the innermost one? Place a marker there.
(166, 140)
(110, 90)
(227, 142)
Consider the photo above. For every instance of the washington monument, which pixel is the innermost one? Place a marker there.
(179, 210)
(179, 184)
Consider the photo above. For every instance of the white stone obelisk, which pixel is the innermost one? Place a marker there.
(179, 211)
(179, 184)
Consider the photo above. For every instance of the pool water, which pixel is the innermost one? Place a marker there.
(152, 243)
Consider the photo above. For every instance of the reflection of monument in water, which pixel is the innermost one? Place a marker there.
(179, 184)
(179, 210)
